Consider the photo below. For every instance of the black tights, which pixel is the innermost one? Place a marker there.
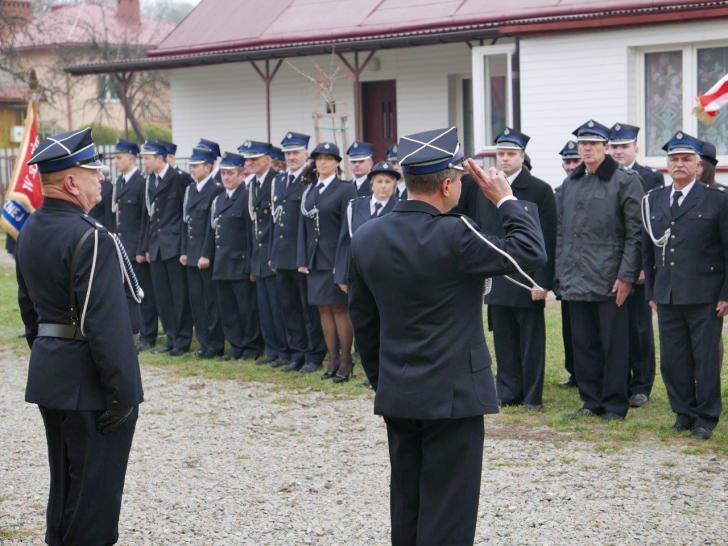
(339, 336)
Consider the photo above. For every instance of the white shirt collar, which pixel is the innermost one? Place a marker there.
(262, 178)
(164, 171)
(514, 176)
(685, 191)
(631, 166)
(360, 181)
(230, 192)
(326, 182)
(201, 185)
(297, 173)
(248, 180)
(401, 185)
(128, 175)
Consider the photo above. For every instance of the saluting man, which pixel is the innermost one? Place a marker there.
(257, 157)
(232, 239)
(623, 147)
(516, 315)
(417, 278)
(163, 231)
(685, 261)
(83, 372)
(197, 252)
(129, 209)
(302, 321)
(360, 160)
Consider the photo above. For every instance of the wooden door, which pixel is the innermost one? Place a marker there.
(379, 115)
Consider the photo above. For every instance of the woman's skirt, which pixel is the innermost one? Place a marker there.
(322, 290)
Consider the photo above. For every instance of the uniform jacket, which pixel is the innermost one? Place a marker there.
(102, 211)
(363, 190)
(263, 228)
(232, 235)
(197, 241)
(651, 178)
(101, 372)
(526, 187)
(130, 212)
(599, 231)
(417, 279)
(317, 248)
(696, 256)
(163, 226)
(360, 213)
(285, 226)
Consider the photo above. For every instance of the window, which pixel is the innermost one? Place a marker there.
(460, 110)
(107, 90)
(672, 79)
(491, 93)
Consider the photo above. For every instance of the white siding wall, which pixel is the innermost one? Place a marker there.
(568, 78)
(227, 102)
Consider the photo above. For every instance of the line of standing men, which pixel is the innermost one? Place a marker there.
(216, 249)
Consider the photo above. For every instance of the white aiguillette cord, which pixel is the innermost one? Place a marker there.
(488, 282)
(662, 241)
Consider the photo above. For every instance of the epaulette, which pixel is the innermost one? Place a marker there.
(717, 187)
(653, 170)
(93, 222)
(657, 189)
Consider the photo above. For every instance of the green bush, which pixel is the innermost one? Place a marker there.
(103, 135)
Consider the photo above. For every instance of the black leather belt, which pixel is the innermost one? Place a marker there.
(65, 331)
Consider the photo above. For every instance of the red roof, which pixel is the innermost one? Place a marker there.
(13, 94)
(216, 25)
(86, 22)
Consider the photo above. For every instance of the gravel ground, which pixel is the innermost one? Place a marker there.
(219, 462)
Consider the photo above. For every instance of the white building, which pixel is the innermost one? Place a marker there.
(543, 66)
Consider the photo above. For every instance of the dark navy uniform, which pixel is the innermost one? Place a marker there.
(302, 321)
(417, 279)
(196, 244)
(363, 188)
(318, 239)
(360, 213)
(83, 363)
(519, 332)
(237, 303)
(686, 279)
(641, 335)
(163, 232)
(129, 211)
(102, 211)
(271, 320)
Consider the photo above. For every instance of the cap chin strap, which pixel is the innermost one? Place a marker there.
(488, 282)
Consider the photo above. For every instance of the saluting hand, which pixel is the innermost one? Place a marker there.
(722, 308)
(493, 184)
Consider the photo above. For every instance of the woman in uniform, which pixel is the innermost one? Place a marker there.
(323, 210)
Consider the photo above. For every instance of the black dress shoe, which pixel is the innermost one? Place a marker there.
(366, 384)
(163, 349)
(264, 359)
(293, 367)
(177, 352)
(208, 353)
(682, 423)
(638, 400)
(310, 367)
(232, 355)
(700, 433)
(250, 355)
(571, 382)
(144, 346)
(278, 362)
(582, 412)
(201, 353)
(609, 416)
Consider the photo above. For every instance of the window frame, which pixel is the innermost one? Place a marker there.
(689, 92)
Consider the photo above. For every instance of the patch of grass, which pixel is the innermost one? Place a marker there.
(651, 423)
(7, 533)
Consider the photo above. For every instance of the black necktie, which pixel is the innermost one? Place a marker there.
(157, 179)
(675, 203)
(319, 188)
(377, 209)
(291, 178)
(120, 183)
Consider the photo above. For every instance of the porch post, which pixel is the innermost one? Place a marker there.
(267, 78)
(356, 70)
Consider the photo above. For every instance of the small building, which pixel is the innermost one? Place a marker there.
(80, 32)
(259, 68)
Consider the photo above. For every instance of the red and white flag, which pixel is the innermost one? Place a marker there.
(712, 101)
(24, 193)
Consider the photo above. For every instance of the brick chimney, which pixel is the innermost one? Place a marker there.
(128, 11)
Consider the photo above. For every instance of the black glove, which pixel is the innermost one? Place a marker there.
(112, 419)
